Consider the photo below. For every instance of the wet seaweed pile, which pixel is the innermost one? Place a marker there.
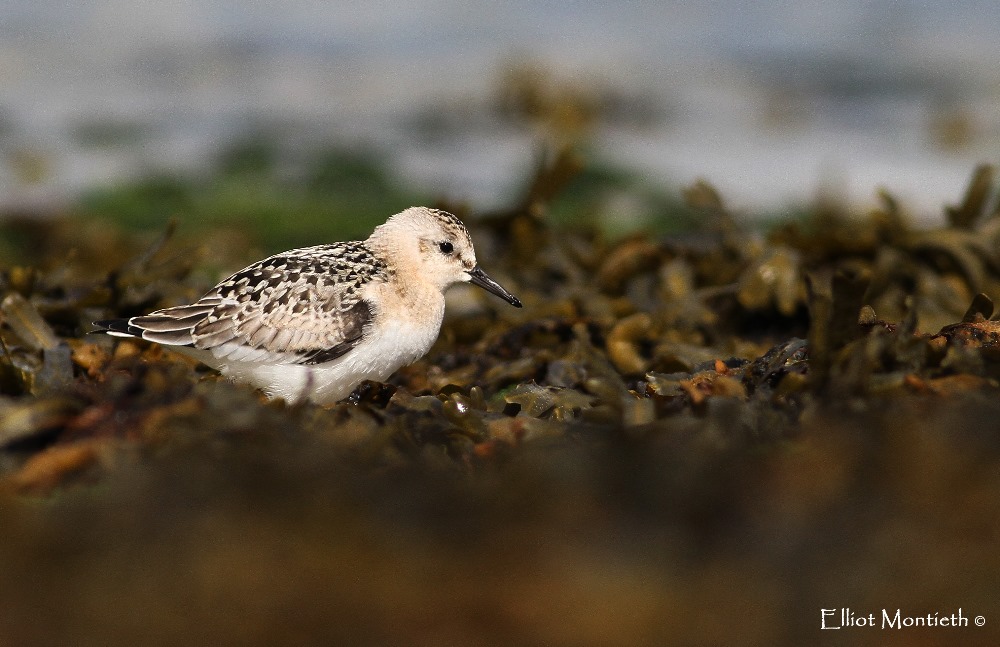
(703, 438)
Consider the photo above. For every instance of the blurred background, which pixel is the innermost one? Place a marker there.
(678, 440)
(776, 103)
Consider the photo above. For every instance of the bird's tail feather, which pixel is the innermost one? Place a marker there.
(118, 328)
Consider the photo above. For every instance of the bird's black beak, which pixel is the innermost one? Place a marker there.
(480, 278)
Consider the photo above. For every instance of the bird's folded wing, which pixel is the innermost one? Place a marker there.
(302, 328)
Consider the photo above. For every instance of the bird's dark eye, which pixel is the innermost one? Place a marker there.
(446, 247)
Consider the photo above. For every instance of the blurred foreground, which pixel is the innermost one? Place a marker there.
(700, 438)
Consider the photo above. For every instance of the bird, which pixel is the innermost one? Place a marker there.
(313, 323)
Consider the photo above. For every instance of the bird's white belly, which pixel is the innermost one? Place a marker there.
(385, 349)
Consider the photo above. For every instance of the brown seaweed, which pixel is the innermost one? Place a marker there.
(667, 416)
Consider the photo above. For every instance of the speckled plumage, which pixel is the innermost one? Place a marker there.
(315, 322)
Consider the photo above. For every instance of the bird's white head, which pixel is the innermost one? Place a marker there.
(436, 245)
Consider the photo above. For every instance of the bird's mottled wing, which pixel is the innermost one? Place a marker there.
(301, 307)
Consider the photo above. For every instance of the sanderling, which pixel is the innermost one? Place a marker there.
(316, 322)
